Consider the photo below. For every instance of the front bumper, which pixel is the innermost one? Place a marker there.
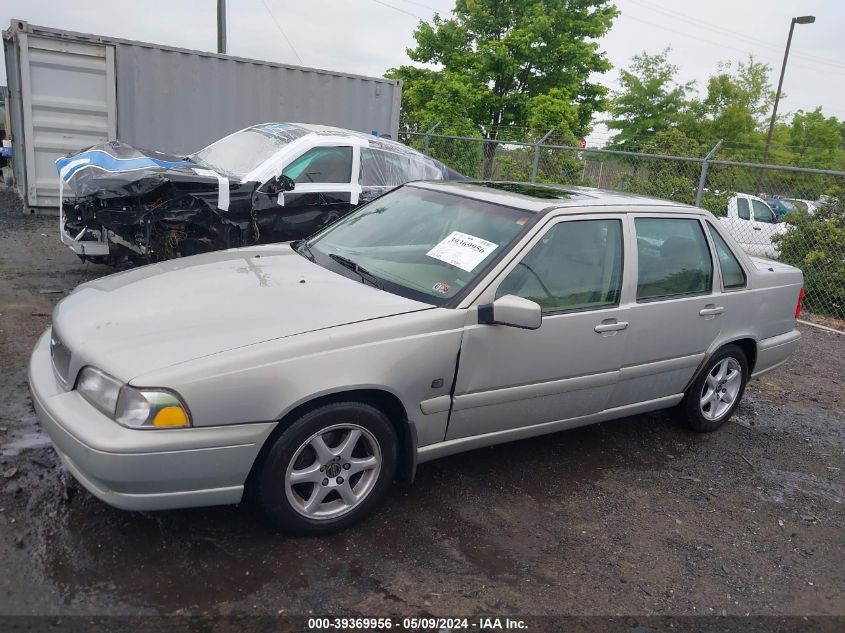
(142, 470)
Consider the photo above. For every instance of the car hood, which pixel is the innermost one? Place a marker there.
(159, 315)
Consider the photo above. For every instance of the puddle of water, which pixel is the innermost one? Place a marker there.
(17, 440)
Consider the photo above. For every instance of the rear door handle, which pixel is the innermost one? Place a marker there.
(711, 310)
(610, 325)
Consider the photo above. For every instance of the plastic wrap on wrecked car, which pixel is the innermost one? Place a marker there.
(387, 163)
(115, 169)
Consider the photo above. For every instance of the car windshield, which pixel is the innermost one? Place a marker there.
(424, 244)
(240, 153)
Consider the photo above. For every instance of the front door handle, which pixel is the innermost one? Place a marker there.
(757, 228)
(711, 310)
(610, 325)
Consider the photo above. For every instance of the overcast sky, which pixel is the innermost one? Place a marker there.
(368, 36)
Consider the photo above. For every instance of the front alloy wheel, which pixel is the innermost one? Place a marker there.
(333, 471)
(328, 469)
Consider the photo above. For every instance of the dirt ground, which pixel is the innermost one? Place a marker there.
(635, 516)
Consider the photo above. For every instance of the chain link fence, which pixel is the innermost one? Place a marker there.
(791, 214)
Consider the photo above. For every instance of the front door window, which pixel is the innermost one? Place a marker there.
(577, 265)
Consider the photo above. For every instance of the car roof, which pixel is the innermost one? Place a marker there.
(375, 142)
(543, 197)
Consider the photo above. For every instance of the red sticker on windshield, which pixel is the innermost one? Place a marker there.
(442, 287)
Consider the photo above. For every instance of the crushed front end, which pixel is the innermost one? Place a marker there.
(122, 204)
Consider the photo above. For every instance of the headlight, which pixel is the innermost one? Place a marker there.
(100, 389)
(150, 408)
(135, 408)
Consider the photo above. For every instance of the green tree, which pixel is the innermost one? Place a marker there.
(503, 56)
(650, 101)
(815, 140)
(735, 108)
(662, 178)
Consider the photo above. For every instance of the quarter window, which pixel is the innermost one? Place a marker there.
(674, 259)
(743, 209)
(733, 276)
(322, 164)
(577, 265)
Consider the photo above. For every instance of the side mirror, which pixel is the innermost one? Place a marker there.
(512, 311)
(282, 183)
(286, 183)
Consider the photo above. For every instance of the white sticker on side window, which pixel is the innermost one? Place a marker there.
(462, 250)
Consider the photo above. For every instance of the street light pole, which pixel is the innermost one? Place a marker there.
(804, 19)
(221, 26)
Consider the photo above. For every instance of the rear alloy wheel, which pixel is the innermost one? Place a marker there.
(715, 394)
(328, 469)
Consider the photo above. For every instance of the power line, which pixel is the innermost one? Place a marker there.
(740, 50)
(703, 24)
(423, 5)
(395, 8)
(282, 31)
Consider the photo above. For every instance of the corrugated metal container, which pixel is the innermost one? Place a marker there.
(71, 90)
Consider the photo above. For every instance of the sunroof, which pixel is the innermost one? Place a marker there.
(534, 191)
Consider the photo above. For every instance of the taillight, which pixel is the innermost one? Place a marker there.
(800, 302)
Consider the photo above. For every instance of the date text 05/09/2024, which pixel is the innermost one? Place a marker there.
(478, 623)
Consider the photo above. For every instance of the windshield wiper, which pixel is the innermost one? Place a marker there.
(301, 247)
(365, 274)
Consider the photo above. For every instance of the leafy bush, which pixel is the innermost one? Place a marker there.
(816, 245)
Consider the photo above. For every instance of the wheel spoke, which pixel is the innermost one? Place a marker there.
(317, 495)
(324, 453)
(310, 474)
(348, 445)
(712, 381)
(347, 494)
(360, 465)
(733, 377)
(723, 369)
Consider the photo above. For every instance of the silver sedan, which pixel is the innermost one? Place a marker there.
(440, 318)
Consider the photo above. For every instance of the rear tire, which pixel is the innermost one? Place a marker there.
(329, 469)
(715, 394)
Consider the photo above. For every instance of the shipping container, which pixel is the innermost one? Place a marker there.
(72, 90)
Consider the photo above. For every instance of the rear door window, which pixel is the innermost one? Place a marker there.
(381, 168)
(743, 209)
(673, 258)
(762, 212)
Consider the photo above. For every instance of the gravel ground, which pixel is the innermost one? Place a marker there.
(635, 516)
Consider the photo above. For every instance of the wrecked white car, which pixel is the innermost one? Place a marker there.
(266, 183)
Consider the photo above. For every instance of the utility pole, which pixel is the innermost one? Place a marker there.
(221, 26)
(804, 19)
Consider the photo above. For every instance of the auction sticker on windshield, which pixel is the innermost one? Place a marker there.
(462, 250)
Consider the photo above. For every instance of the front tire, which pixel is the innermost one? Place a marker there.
(329, 469)
(716, 392)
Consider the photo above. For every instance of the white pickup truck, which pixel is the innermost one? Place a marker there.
(753, 224)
